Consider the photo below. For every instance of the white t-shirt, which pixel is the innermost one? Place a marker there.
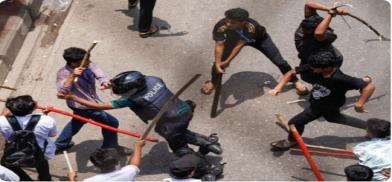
(7, 175)
(45, 128)
(181, 180)
(127, 173)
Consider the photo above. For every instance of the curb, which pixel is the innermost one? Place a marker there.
(16, 20)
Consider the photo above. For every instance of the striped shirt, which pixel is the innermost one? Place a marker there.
(84, 88)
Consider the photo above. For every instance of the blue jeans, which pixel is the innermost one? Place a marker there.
(73, 127)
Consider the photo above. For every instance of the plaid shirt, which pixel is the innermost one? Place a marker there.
(84, 88)
(375, 154)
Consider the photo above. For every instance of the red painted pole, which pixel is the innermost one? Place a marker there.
(306, 153)
(137, 135)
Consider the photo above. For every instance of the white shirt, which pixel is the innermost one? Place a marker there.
(375, 154)
(181, 180)
(127, 173)
(7, 175)
(45, 128)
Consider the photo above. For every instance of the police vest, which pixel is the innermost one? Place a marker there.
(149, 101)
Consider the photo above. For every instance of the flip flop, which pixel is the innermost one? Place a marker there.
(149, 33)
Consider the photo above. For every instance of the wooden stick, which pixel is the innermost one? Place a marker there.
(68, 162)
(7, 87)
(329, 148)
(167, 105)
(86, 57)
(215, 101)
(325, 153)
(296, 101)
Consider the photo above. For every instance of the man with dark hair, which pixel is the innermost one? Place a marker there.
(314, 34)
(146, 27)
(18, 117)
(145, 96)
(330, 86)
(183, 169)
(107, 161)
(84, 88)
(234, 32)
(376, 153)
(358, 173)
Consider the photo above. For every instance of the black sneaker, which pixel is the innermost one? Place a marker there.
(132, 3)
(124, 150)
(60, 149)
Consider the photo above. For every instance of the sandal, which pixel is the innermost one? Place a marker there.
(282, 145)
(207, 88)
(153, 29)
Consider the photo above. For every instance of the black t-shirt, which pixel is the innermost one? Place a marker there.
(250, 33)
(331, 92)
(307, 44)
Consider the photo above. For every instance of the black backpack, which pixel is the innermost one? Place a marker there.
(22, 149)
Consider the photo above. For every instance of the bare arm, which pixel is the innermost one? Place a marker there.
(77, 72)
(234, 53)
(366, 93)
(286, 78)
(137, 154)
(311, 7)
(322, 28)
(219, 46)
(90, 104)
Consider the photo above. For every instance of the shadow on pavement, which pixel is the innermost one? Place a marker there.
(157, 160)
(162, 24)
(244, 86)
(84, 150)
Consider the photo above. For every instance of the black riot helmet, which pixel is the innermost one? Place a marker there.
(311, 22)
(128, 81)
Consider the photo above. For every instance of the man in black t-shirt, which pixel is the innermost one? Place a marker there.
(234, 32)
(330, 86)
(314, 34)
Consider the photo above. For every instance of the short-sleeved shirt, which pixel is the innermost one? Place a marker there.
(307, 44)
(250, 33)
(331, 92)
(375, 154)
(7, 175)
(127, 173)
(45, 128)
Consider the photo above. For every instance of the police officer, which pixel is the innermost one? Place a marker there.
(146, 95)
(234, 32)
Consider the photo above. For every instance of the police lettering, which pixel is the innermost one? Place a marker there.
(154, 91)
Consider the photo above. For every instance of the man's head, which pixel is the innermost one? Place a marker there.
(236, 18)
(358, 173)
(74, 56)
(378, 128)
(21, 105)
(184, 167)
(322, 61)
(105, 159)
(310, 23)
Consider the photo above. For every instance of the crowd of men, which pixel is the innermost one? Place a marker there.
(320, 65)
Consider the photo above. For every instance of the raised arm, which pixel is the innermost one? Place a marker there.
(136, 158)
(312, 7)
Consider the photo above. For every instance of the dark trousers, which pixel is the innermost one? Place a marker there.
(269, 49)
(174, 130)
(331, 115)
(42, 170)
(145, 15)
(73, 127)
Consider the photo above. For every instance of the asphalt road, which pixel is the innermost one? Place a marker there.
(246, 121)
